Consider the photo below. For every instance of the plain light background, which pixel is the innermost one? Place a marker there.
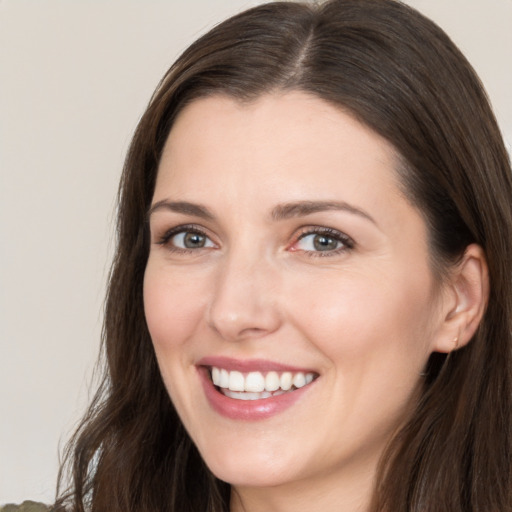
(75, 77)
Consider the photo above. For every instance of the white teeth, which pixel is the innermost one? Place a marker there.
(246, 395)
(255, 382)
(299, 380)
(236, 381)
(216, 376)
(286, 381)
(272, 381)
(224, 379)
(256, 385)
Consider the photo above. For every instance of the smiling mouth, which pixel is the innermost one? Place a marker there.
(258, 385)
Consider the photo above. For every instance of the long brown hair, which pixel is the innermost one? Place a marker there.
(399, 74)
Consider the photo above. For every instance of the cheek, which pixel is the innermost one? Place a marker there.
(375, 339)
(173, 305)
(357, 318)
(173, 310)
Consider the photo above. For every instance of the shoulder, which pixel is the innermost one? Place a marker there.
(26, 506)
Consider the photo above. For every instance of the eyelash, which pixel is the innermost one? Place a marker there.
(187, 228)
(338, 236)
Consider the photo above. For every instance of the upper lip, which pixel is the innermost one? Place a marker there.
(249, 365)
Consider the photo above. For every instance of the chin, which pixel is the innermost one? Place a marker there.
(253, 477)
(241, 470)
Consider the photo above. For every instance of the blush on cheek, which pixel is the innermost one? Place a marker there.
(361, 322)
(170, 316)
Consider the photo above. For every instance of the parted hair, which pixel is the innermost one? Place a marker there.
(399, 74)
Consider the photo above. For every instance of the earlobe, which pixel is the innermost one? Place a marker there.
(468, 289)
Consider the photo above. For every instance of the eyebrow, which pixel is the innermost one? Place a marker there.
(279, 212)
(183, 207)
(303, 208)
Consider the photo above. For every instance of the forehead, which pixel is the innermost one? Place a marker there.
(273, 139)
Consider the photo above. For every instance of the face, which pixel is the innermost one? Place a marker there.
(288, 291)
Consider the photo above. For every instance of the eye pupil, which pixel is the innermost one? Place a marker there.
(194, 240)
(325, 243)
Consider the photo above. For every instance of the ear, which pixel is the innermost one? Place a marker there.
(465, 300)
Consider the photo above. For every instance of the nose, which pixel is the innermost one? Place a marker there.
(245, 302)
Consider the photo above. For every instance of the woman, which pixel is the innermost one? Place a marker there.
(310, 304)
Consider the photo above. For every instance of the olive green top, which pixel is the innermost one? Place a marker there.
(26, 506)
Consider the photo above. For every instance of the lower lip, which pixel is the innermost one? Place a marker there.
(248, 410)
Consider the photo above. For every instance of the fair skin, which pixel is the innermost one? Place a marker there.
(280, 239)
